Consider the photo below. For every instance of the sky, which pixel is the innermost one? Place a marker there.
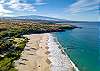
(76, 10)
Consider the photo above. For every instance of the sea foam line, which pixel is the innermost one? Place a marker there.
(60, 61)
(76, 68)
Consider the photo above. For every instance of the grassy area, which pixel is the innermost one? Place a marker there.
(13, 52)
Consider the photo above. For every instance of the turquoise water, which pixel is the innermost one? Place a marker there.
(82, 45)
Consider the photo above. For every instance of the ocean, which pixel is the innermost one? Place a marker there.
(82, 45)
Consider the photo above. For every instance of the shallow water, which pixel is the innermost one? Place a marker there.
(82, 45)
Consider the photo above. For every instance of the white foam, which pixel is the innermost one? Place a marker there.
(59, 61)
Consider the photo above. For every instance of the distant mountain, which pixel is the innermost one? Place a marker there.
(44, 19)
(36, 17)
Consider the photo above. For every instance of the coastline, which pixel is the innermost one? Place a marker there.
(43, 53)
(69, 65)
(60, 46)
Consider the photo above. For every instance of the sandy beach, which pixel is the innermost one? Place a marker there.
(42, 53)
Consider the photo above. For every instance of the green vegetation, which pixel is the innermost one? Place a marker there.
(12, 41)
(12, 49)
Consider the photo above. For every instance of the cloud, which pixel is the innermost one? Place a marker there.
(2, 1)
(22, 7)
(81, 6)
(39, 2)
(15, 6)
(18, 6)
(6, 14)
(3, 11)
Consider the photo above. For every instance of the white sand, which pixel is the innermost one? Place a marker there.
(34, 57)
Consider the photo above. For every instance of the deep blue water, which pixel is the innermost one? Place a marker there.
(82, 45)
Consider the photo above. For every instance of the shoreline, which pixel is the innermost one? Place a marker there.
(74, 66)
(44, 53)
(69, 63)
